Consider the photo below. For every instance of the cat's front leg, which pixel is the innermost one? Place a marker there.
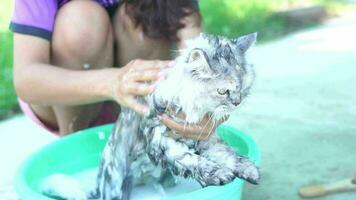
(114, 180)
(180, 159)
(232, 164)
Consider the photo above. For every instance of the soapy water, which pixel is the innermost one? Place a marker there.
(87, 180)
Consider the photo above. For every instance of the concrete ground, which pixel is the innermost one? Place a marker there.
(302, 114)
(302, 111)
(19, 137)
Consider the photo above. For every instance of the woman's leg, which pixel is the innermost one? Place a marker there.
(82, 40)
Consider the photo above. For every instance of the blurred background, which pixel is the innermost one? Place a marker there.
(302, 110)
(272, 19)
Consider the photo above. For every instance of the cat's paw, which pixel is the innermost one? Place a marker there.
(223, 176)
(247, 170)
(216, 175)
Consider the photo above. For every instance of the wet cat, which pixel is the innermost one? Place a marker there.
(210, 76)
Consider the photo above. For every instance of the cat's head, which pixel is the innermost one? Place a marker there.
(211, 75)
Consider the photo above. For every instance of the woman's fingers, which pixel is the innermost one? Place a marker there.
(170, 123)
(151, 64)
(139, 89)
(131, 82)
(195, 132)
(147, 75)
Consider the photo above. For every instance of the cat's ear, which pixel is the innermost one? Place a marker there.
(245, 42)
(199, 62)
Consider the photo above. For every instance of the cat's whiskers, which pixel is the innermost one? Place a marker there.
(201, 131)
(168, 105)
(211, 130)
(185, 124)
(216, 120)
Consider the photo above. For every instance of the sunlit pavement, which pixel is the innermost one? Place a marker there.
(19, 137)
(301, 113)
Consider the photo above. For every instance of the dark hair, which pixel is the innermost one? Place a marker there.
(160, 18)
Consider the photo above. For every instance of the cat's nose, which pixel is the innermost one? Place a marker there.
(235, 102)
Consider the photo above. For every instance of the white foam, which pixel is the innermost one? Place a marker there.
(87, 179)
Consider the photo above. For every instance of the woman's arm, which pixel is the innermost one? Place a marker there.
(38, 82)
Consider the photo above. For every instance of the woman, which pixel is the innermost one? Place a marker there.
(73, 58)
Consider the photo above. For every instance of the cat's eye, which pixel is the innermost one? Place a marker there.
(223, 91)
(195, 55)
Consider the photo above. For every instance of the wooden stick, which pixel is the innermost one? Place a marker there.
(347, 185)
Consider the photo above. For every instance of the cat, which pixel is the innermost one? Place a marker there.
(210, 76)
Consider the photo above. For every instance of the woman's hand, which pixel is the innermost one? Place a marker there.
(200, 131)
(137, 79)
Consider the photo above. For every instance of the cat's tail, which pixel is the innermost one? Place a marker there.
(60, 186)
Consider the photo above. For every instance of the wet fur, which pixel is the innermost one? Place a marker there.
(138, 141)
(139, 149)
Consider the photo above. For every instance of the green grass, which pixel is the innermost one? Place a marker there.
(8, 102)
(237, 17)
(233, 17)
(225, 17)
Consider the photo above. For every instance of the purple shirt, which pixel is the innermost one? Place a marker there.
(36, 17)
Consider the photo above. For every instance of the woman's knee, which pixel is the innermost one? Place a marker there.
(82, 29)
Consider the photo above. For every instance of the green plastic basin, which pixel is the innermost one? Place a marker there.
(82, 151)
